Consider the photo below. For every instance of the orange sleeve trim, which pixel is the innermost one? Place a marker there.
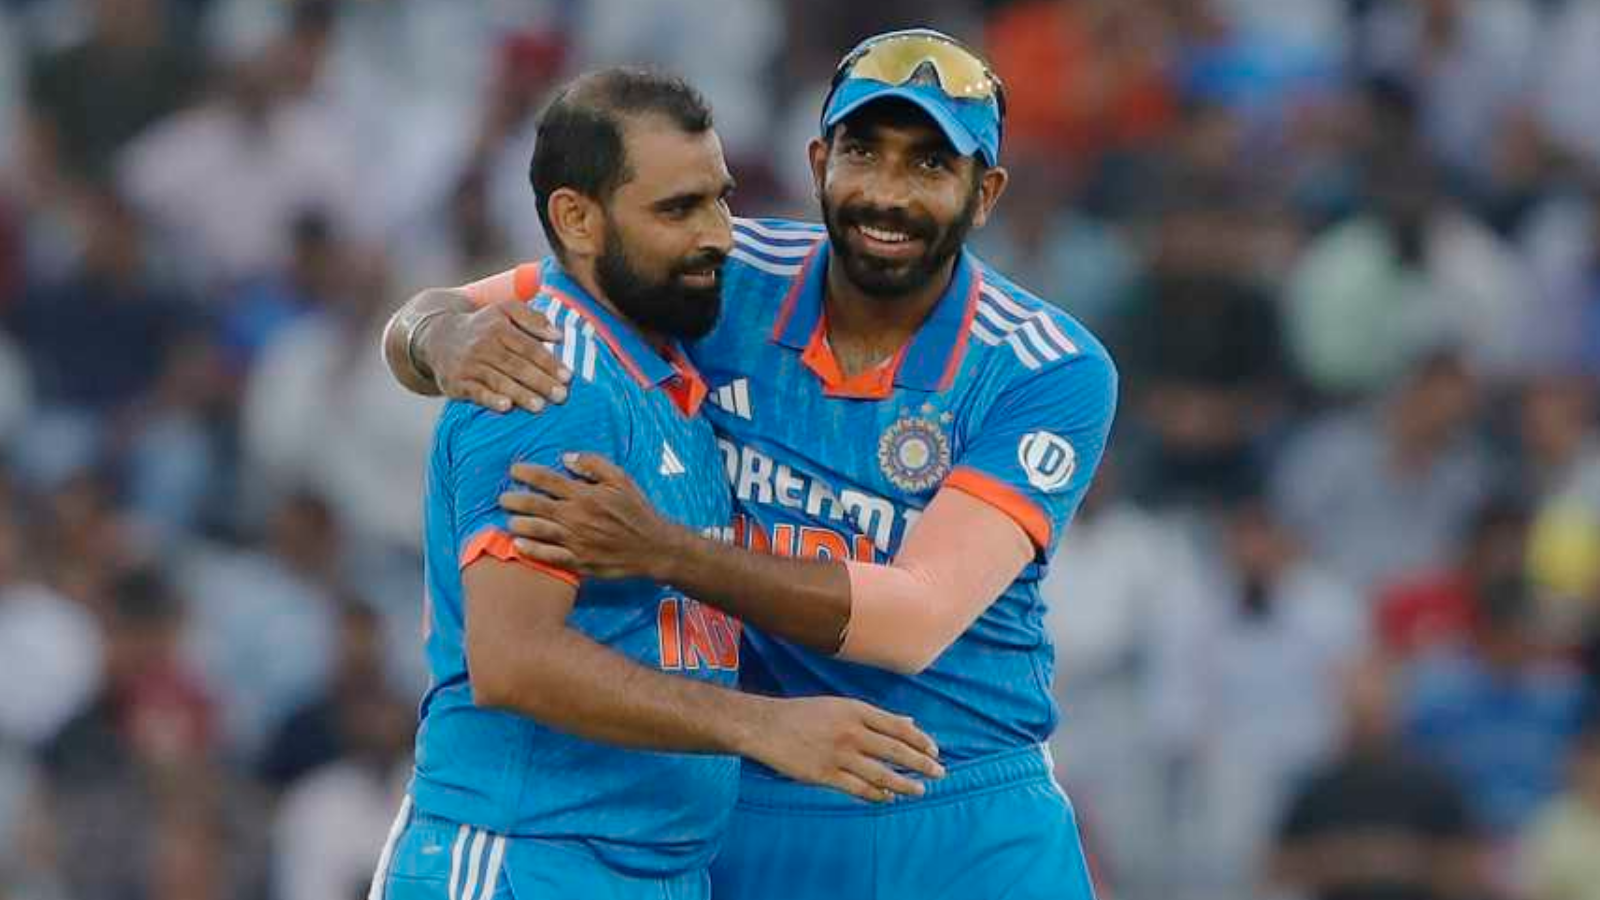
(496, 288)
(1005, 498)
(498, 544)
(526, 281)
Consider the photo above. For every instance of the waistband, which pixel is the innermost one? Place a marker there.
(760, 789)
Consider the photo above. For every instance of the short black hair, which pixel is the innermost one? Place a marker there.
(579, 144)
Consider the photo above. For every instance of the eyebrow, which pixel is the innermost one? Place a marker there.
(872, 133)
(690, 198)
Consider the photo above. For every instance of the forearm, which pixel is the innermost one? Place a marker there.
(403, 348)
(805, 601)
(573, 684)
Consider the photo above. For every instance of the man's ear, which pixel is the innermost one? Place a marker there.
(817, 153)
(991, 184)
(578, 221)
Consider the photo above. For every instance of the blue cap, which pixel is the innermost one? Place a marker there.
(973, 126)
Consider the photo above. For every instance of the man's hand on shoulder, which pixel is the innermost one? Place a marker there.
(597, 524)
(494, 355)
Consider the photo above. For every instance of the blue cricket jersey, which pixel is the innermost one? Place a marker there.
(654, 814)
(998, 394)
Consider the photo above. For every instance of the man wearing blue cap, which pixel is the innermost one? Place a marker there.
(907, 433)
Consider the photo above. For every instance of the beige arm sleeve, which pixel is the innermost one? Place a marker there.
(959, 557)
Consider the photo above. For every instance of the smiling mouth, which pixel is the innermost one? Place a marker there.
(887, 241)
(699, 277)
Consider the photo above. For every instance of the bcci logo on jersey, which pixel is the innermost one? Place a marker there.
(1047, 460)
(914, 452)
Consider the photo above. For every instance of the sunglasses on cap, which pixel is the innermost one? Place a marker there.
(950, 83)
(897, 57)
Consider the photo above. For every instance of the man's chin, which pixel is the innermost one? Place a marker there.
(880, 277)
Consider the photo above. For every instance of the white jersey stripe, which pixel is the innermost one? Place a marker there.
(474, 859)
(764, 265)
(569, 343)
(1009, 305)
(455, 861)
(1016, 343)
(491, 878)
(380, 876)
(786, 251)
(799, 231)
(1035, 339)
(982, 333)
(741, 397)
(589, 351)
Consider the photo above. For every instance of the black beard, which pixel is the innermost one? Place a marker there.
(668, 306)
(890, 279)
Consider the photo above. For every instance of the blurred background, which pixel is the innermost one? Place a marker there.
(1328, 626)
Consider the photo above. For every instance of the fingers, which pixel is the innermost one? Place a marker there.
(479, 393)
(527, 503)
(533, 323)
(859, 788)
(903, 729)
(531, 364)
(548, 554)
(906, 756)
(544, 531)
(506, 391)
(882, 778)
(544, 479)
(595, 468)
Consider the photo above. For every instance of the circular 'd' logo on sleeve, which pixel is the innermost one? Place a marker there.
(1047, 459)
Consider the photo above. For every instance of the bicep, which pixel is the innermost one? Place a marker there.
(486, 445)
(510, 606)
(959, 558)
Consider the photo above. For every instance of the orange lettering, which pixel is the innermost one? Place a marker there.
(865, 549)
(667, 630)
(782, 540)
(697, 645)
(724, 633)
(820, 543)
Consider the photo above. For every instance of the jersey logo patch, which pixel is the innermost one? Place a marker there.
(1047, 459)
(670, 464)
(734, 397)
(914, 452)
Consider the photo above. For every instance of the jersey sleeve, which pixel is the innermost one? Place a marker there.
(1038, 446)
(485, 444)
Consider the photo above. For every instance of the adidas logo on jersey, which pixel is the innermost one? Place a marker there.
(670, 464)
(734, 397)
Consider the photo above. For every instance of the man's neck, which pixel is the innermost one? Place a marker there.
(865, 330)
(657, 341)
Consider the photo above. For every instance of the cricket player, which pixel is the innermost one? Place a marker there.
(908, 434)
(579, 736)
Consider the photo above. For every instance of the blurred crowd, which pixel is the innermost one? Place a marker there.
(1328, 626)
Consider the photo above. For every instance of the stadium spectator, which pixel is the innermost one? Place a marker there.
(1560, 857)
(88, 100)
(261, 624)
(1426, 611)
(1377, 821)
(331, 820)
(225, 179)
(1374, 294)
(1500, 713)
(1257, 689)
(1384, 490)
(320, 731)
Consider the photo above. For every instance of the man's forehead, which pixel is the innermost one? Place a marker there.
(664, 158)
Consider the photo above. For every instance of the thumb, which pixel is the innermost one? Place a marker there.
(594, 468)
